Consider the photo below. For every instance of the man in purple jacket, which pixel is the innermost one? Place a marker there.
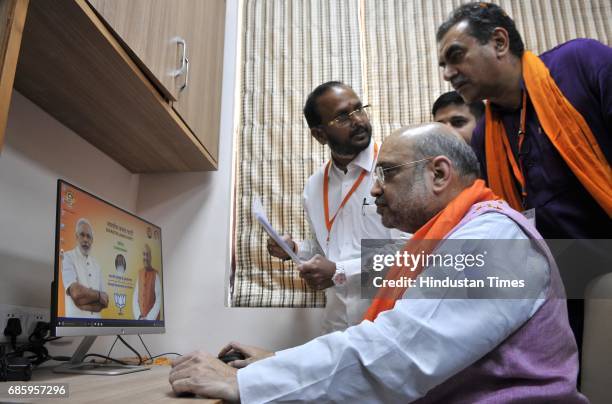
(479, 52)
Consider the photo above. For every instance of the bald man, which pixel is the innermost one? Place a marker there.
(148, 292)
(433, 349)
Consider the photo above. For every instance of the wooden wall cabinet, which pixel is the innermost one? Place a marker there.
(12, 18)
(148, 30)
(179, 44)
(108, 70)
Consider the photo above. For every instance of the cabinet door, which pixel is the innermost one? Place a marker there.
(148, 30)
(12, 19)
(202, 25)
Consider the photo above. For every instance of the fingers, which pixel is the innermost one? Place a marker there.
(226, 349)
(309, 269)
(233, 346)
(185, 358)
(208, 383)
(286, 238)
(313, 264)
(177, 361)
(104, 299)
(289, 241)
(318, 272)
(276, 251)
(182, 386)
(239, 364)
(243, 349)
(178, 375)
(311, 280)
(271, 243)
(315, 280)
(307, 266)
(184, 365)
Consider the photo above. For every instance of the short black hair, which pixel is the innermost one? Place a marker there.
(311, 113)
(477, 108)
(483, 18)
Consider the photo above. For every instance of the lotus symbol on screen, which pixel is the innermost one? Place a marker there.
(120, 302)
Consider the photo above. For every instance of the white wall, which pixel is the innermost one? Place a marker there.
(37, 151)
(193, 210)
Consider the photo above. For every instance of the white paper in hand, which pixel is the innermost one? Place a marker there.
(262, 218)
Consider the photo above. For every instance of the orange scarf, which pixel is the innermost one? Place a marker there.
(425, 240)
(567, 131)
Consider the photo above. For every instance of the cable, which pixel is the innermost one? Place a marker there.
(130, 348)
(60, 358)
(36, 346)
(166, 353)
(151, 357)
(140, 359)
(147, 349)
(107, 358)
(112, 346)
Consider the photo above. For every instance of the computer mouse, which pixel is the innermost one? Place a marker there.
(232, 356)
(185, 394)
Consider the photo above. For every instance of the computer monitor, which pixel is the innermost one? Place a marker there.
(108, 269)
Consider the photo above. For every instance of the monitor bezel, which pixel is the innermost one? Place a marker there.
(97, 327)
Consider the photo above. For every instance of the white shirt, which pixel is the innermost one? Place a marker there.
(354, 222)
(152, 314)
(77, 267)
(406, 351)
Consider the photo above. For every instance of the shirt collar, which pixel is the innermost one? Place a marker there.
(365, 159)
(80, 254)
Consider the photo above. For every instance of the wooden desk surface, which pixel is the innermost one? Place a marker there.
(149, 386)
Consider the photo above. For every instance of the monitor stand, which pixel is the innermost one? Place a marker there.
(76, 364)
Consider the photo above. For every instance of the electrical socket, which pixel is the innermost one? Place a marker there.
(28, 316)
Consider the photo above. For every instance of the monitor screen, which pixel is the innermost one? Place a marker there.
(108, 268)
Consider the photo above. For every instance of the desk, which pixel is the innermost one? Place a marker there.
(149, 386)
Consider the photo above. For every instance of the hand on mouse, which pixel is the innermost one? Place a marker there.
(202, 374)
(250, 353)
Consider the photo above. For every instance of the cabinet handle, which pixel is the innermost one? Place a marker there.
(184, 68)
(186, 75)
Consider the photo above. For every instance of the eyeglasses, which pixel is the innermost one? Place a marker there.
(344, 120)
(379, 172)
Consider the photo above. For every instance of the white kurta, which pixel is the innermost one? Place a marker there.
(406, 351)
(82, 269)
(354, 222)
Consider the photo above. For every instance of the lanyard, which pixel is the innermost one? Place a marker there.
(329, 223)
(517, 169)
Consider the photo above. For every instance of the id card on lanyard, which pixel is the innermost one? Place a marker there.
(330, 222)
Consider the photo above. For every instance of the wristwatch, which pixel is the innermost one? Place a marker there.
(339, 277)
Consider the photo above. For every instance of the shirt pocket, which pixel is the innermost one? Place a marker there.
(371, 225)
